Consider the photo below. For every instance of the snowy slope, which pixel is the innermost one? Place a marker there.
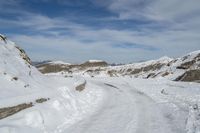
(22, 83)
(13, 66)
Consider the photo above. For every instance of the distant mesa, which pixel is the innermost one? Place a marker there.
(94, 63)
(58, 66)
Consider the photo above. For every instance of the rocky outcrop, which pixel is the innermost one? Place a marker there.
(81, 87)
(186, 65)
(8, 111)
(190, 75)
(24, 55)
(3, 38)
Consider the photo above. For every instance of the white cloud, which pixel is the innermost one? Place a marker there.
(74, 42)
(71, 50)
(168, 10)
(101, 45)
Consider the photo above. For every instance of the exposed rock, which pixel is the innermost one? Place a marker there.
(41, 100)
(3, 38)
(152, 67)
(24, 55)
(186, 65)
(14, 78)
(136, 71)
(165, 74)
(8, 111)
(147, 68)
(191, 75)
(128, 70)
(112, 73)
(150, 75)
(81, 87)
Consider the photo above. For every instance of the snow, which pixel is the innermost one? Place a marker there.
(59, 62)
(194, 52)
(65, 107)
(94, 61)
(193, 121)
(106, 105)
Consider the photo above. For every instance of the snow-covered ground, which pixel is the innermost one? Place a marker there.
(105, 105)
(143, 106)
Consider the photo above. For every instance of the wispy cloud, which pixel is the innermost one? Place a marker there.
(135, 30)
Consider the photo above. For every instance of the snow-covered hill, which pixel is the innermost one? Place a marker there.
(186, 68)
(34, 103)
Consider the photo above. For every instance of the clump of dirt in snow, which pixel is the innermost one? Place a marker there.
(81, 87)
(41, 100)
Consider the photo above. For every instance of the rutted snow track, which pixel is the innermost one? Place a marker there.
(126, 110)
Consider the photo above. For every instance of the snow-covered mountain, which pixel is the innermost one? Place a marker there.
(186, 68)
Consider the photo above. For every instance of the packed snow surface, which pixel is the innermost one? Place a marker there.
(120, 105)
(59, 62)
(106, 105)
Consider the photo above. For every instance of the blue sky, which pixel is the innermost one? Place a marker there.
(119, 31)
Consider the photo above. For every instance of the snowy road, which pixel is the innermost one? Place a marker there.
(125, 109)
